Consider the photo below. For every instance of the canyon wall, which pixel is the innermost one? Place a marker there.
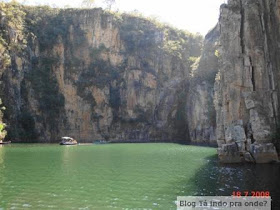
(247, 87)
(200, 98)
(94, 75)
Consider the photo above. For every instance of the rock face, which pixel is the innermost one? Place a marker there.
(200, 103)
(247, 89)
(94, 76)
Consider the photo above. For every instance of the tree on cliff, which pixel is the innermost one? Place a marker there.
(88, 3)
(109, 3)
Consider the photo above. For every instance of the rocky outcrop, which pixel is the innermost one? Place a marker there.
(247, 88)
(94, 76)
(200, 103)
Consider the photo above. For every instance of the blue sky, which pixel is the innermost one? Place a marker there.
(192, 15)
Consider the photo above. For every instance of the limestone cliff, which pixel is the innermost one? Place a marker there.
(247, 89)
(200, 103)
(94, 75)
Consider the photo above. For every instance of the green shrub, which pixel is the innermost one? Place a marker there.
(3, 132)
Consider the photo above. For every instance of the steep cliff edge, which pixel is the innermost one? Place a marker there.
(94, 75)
(200, 97)
(247, 90)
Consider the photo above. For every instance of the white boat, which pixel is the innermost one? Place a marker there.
(68, 141)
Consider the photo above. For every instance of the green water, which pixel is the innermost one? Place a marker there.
(98, 176)
(121, 176)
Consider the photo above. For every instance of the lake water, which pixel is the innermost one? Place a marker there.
(123, 176)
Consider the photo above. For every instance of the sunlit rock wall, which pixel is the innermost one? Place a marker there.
(94, 75)
(247, 91)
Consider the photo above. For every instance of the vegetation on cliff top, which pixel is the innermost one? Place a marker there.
(147, 34)
(12, 18)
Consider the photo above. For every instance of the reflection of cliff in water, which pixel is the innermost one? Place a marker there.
(1, 155)
(2, 167)
(216, 179)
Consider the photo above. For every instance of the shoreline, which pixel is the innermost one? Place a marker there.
(201, 144)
